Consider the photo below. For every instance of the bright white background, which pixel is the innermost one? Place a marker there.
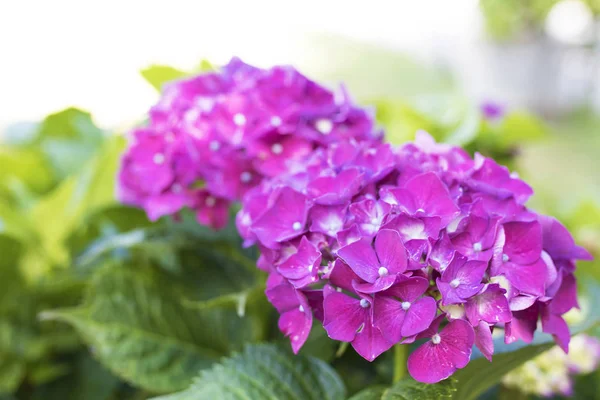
(54, 54)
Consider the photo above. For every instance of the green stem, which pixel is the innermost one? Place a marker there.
(400, 356)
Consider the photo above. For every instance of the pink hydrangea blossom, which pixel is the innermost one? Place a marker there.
(416, 242)
(212, 137)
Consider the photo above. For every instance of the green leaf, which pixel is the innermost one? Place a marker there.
(409, 389)
(158, 75)
(264, 372)
(68, 138)
(63, 209)
(12, 372)
(481, 374)
(135, 320)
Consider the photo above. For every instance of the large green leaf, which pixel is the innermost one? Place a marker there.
(136, 321)
(264, 372)
(481, 374)
(408, 389)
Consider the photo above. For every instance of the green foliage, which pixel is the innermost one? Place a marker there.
(136, 321)
(409, 389)
(265, 372)
(158, 75)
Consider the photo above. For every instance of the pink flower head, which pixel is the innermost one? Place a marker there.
(226, 131)
(422, 241)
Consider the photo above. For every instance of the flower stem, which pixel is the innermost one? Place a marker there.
(400, 356)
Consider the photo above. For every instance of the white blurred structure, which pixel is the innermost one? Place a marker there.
(88, 53)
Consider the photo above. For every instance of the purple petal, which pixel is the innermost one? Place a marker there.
(369, 215)
(382, 283)
(566, 297)
(558, 328)
(391, 252)
(343, 316)
(431, 196)
(330, 190)
(296, 324)
(419, 316)
(342, 276)
(558, 242)
(361, 257)
(284, 220)
(523, 243)
(369, 342)
(327, 219)
(484, 340)
(522, 326)
(301, 268)
(409, 289)
(490, 306)
(529, 279)
(388, 317)
(432, 362)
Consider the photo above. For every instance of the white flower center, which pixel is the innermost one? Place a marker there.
(477, 246)
(505, 257)
(374, 221)
(214, 145)
(454, 283)
(364, 303)
(210, 201)
(324, 126)
(275, 120)
(277, 148)
(382, 271)
(301, 308)
(245, 177)
(405, 305)
(239, 119)
(158, 158)
(296, 226)
(436, 339)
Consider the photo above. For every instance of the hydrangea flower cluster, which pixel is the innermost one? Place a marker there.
(212, 137)
(392, 245)
(552, 372)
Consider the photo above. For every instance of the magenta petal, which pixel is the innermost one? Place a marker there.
(391, 251)
(428, 364)
(432, 363)
(369, 342)
(342, 276)
(522, 326)
(484, 340)
(330, 190)
(558, 328)
(490, 306)
(419, 316)
(343, 316)
(431, 195)
(381, 284)
(558, 242)
(388, 317)
(523, 241)
(459, 337)
(327, 219)
(284, 220)
(409, 289)
(296, 324)
(566, 296)
(301, 267)
(361, 257)
(530, 279)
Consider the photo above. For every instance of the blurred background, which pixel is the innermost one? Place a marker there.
(514, 79)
